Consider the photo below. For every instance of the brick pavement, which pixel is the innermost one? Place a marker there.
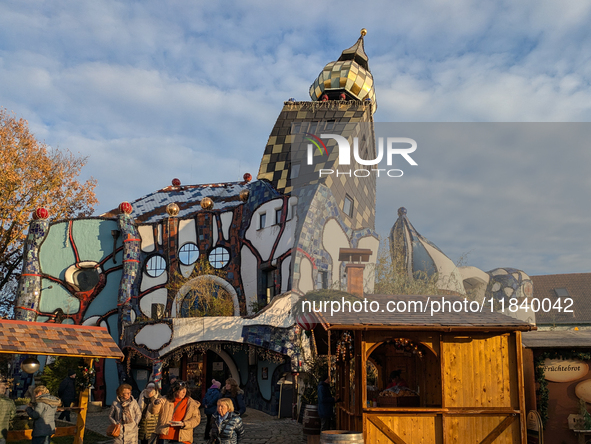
(260, 428)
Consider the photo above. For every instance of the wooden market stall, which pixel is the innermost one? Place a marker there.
(564, 358)
(463, 373)
(37, 338)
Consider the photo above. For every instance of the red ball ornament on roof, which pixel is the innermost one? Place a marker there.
(176, 182)
(324, 97)
(125, 207)
(306, 321)
(247, 177)
(40, 213)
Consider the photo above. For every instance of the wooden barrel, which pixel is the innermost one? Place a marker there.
(311, 421)
(341, 437)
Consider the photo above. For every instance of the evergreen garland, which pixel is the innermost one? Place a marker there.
(542, 390)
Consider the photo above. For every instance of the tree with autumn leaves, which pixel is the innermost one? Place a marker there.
(33, 175)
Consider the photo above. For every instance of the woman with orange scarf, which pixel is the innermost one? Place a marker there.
(178, 415)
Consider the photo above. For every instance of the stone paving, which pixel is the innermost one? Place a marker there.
(260, 428)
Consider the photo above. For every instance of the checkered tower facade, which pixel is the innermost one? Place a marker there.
(317, 118)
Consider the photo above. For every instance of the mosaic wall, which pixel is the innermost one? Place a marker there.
(322, 207)
(315, 118)
(29, 287)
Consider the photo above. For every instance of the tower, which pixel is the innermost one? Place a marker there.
(343, 101)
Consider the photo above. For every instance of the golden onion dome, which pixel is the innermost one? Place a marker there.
(349, 75)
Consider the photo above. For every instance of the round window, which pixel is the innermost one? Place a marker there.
(155, 266)
(189, 253)
(219, 257)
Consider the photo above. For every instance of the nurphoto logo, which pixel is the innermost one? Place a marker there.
(402, 146)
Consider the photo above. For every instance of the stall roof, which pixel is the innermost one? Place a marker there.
(420, 317)
(39, 338)
(557, 339)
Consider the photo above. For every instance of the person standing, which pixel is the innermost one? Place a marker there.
(227, 425)
(42, 410)
(178, 415)
(166, 386)
(7, 410)
(210, 401)
(67, 393)
(126, 412)
(232, 391)
(149, 421)
(326, 403)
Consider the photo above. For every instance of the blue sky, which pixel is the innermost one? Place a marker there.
(154, 90)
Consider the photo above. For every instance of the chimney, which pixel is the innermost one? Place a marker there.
(354, 259)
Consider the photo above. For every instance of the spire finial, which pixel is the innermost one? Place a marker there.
(363, 32)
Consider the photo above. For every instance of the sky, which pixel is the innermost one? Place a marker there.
(150, 91)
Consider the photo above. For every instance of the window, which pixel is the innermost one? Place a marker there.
(278, 216)
(561, 292)
(294, 212)
(219, 257)
(295, 171)
(348, 206)
(86, 278)
(262, 220)
(189, 253)
(155, 266)
(322, 280)
(268, 286)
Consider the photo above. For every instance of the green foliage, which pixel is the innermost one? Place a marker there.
(256, 306)
(54, 374)
(392, 276)
(585, 414)
(315, 368)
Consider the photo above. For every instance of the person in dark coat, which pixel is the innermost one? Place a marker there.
(43, 412)
(326, 403)
(210, 402)
(166, 386)
(67, 393)
(227, 425)
(232, 391)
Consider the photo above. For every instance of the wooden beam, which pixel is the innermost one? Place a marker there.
(382, 427)
(521, 387)
(426, 327)
(83, 404)
(442, 363)
(498, 430)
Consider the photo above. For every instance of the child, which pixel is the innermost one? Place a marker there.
(43, 413)
(210, 401)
